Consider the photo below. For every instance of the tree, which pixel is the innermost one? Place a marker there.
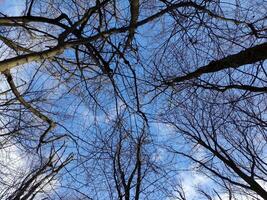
(85, 84)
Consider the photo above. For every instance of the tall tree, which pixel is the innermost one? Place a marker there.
(116, 99)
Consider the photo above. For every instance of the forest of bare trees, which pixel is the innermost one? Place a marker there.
(133, 100)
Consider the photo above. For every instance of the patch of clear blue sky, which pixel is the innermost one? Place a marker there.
(12, 7)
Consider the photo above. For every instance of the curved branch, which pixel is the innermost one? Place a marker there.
(33, 110)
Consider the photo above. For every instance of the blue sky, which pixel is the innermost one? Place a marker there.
(11, 7)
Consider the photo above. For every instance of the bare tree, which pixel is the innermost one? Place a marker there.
(86, 83)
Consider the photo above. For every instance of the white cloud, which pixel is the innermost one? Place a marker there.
(15, 165)
(191, 181)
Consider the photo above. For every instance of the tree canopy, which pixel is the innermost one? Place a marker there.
(133, 99)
